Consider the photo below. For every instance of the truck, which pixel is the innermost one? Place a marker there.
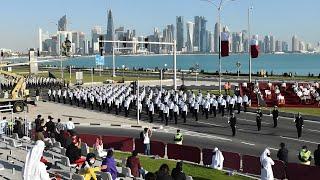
(18, 96)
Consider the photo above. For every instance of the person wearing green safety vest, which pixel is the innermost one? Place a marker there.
(305, 156)
(178, 138)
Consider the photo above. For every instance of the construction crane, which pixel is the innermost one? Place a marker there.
(19, 95)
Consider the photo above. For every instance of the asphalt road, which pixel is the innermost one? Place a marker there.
(208, 133)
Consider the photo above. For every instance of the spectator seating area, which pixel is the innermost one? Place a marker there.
(283, 94)
(14, 152)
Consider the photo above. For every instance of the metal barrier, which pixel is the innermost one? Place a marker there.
(279, 169)
(118, 143)
(182, 152)
(251, 165)
(156, 147)
(299, 171)
(231, 160)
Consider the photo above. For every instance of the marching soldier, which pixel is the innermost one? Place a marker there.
(184, 112)
(64, 95)
(245, 102)
(54, 95)
(166, 113)
(239, 103)
(207, 108)
(299, 124)
(233, 121)
(214, 107)
(275, 116)
(176, 113)
(196, 110)
(151, 112)
(49, 94)
(259, 119)
(59, 95)
(223, 106)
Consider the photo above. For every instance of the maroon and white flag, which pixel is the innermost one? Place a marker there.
(224, 44)
(254, 47)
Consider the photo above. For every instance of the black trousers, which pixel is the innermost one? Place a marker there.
(238, 107)
(175, 117)
(259, 124)
(126, 111)
(184, 116)
(196, 114)
(166, 117)
(233, 128)
(299, 131)
(230, 109)
(219, 108)
(64, 100)
(171, 114)
(207, 113)
(151, 116)
(275, 122)
(222, 111)
(49, 97)
(214, 111)
(117, 110)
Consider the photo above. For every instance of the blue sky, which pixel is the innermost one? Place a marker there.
(20, 19)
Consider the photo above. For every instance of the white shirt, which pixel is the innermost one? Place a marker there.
(70, 125)
(146, 138)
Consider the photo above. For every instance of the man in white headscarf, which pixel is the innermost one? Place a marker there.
(33, 168)
(217, 159)
(266, 165)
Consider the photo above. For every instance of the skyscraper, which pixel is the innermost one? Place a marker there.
(196, 32)
(82, 39)
(203, 35)
(295, 44)
(62, 23)
(278, 46)
(189, 43)
(40, 39)
(267, 44)
(95, 32)
(272, 44)
(110, 33)
(285, 46)
(216, 38)
(180, 37)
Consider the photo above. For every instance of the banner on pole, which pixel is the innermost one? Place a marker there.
(99, 60)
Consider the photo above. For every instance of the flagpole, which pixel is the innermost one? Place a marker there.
(219, 22)
(249, 48)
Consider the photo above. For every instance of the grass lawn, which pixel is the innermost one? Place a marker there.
(197, 172)
(304, 111)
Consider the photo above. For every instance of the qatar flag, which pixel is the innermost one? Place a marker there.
(254, 48)
(224, 44)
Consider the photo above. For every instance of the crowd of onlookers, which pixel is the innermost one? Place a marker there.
(307, 92)
(47, 130)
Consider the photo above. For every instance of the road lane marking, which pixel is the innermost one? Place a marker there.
(313, 130)
(247, 143)
(200, 122)
(275, 149)
(301, 140)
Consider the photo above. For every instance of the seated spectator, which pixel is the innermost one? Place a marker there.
(33, 167)
(133, 163)
(177, 173)
(217, 159)
(73, 152)
(109, 165)
(98, 148)
(268, 94)
(163, 173)
(17, 128)
(87, 169)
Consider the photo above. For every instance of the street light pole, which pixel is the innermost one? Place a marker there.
(219, 23)
(249, 49)
(175, 64)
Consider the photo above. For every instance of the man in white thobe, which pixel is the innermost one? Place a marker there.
(217, 159)
(266, 165)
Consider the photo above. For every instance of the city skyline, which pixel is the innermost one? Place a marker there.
(24, 38)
